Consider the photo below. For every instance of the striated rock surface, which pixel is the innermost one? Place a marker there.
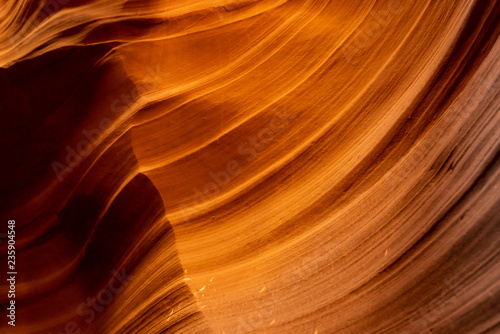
(267, 166)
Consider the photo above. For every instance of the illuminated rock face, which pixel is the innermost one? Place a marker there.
(252, 166)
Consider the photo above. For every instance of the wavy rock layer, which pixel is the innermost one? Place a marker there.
(252, 166)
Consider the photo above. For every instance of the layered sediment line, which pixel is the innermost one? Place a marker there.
(252, 166)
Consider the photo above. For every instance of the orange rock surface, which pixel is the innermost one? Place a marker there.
(253, 166)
